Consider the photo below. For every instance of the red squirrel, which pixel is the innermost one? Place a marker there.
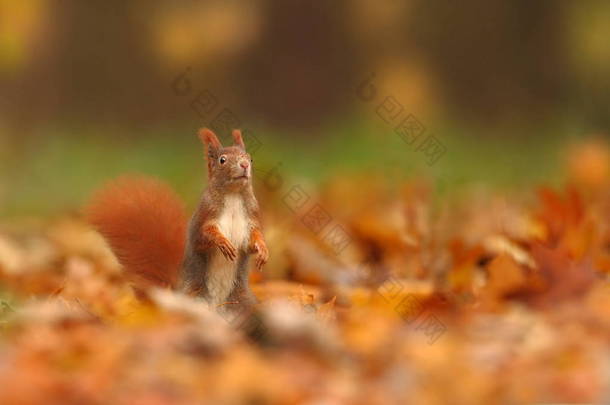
(144, 222)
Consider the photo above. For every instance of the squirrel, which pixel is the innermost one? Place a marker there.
(144, 222)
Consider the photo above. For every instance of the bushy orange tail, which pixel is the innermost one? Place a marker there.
(144, 222)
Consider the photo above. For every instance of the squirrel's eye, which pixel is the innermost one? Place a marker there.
(222, 160)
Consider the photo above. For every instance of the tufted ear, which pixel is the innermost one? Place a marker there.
(237, 140)
(210, 140)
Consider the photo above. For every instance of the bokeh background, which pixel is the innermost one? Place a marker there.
(434, 179)
(90, 90)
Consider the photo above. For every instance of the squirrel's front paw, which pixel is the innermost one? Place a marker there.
(262, 255)
(227, 249)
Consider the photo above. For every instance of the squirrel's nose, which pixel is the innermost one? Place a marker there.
(244, 164)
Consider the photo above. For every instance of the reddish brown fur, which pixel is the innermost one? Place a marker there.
(145, 225)
(238, 139)
(144, 222)
(211, 236)
(209, 138)
(258, 246)
(211, 142)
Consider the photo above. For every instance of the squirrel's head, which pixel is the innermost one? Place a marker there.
(230, 167)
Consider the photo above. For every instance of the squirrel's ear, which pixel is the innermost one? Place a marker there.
(237, 140)
(210, 140)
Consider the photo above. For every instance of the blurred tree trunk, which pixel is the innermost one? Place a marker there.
(495, 60)
(95, 65)
(298, 74)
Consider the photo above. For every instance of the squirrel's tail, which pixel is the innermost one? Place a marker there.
(144, 222)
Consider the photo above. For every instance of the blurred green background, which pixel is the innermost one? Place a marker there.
(90, 90)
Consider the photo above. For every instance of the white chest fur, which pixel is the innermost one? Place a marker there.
(233, 224)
